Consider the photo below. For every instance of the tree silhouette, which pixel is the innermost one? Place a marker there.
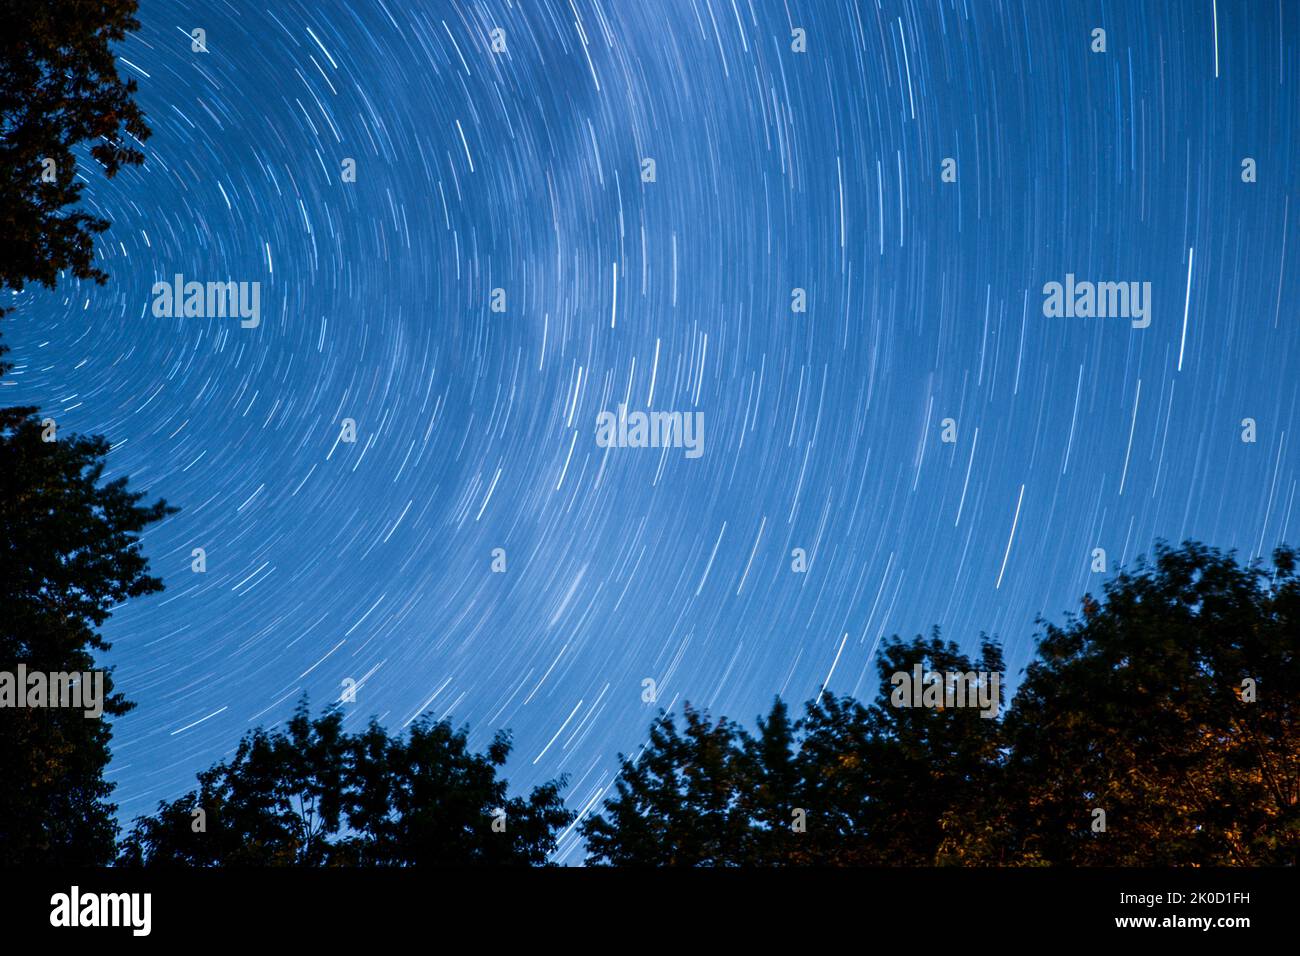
(69, 545)
(845, 785)
(312, 795)
(678, 800)
(1173, 706)
(771, 791)
(882, 779)
(69, 552)
(59, 88)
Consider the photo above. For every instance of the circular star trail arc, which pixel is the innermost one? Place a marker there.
(523, 169)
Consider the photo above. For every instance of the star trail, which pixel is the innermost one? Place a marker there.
(822, 230)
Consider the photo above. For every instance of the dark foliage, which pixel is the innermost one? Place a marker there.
(59, 88)
(69, 553)
(312, 795)
(1173, 706)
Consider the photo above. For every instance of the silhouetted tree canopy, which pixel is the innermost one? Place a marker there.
(1158, 727)
(1173, 706)
(1137, 708)
(69, 544)
(870, 783)
(69, 553)
(312, 795)
(59, 88)
(679, 803)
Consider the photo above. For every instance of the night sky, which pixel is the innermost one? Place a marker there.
(775, 170)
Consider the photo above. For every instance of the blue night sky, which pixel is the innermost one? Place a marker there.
(775, 170)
